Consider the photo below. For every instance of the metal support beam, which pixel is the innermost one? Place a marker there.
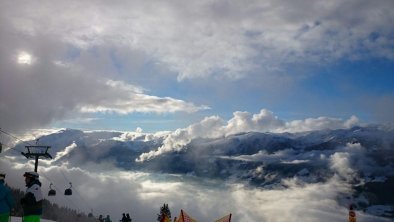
(35, 152)
(36, 164)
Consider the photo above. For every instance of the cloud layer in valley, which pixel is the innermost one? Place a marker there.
(114, 192)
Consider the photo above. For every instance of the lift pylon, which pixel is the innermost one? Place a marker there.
(35, 152)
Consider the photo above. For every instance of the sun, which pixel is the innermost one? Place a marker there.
(24, 58)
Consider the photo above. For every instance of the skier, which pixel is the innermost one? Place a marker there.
(128, 218)
(124, 218)
(107, 219)
(7, 201)
(32, 201)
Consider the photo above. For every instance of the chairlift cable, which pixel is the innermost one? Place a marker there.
(11, 148)
(64, 176)
(76, 191)
(47, 178)
(67, 199)
(16, 138)
(9, 134)
(80, 196)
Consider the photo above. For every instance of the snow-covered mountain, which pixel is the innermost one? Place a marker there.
(363, 157)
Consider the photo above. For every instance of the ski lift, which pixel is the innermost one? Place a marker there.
(68, 192)
(51, 192)
(35, 152)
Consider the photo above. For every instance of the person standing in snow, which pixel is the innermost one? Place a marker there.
(7, 201)
(107, 219)
(124, 218)
(101, 219)
(32, 201)
(128, 218)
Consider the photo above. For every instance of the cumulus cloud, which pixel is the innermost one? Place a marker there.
(340, 163)
(66, 151)
(320, 123)
(352, 160)
(265, 121)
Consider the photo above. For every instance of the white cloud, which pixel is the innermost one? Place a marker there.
(139, 135)
(244, 122)
(265, 121)
(134, 100)
(350, 160)
(320, 123)
(66, 151)
(341, 164)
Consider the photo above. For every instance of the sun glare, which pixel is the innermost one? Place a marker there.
(24, 58)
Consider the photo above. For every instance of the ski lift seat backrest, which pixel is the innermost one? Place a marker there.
(68, 192)
(51, 192)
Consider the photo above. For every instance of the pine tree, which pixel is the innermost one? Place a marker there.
(164, 211)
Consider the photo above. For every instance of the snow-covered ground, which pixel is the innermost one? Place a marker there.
(19, 219)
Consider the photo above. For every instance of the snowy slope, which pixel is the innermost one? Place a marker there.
(19, 219)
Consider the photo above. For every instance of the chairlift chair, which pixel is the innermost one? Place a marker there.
(51, 192)
(68, 192)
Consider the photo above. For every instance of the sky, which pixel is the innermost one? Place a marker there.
(195, 69)
(163, 65)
